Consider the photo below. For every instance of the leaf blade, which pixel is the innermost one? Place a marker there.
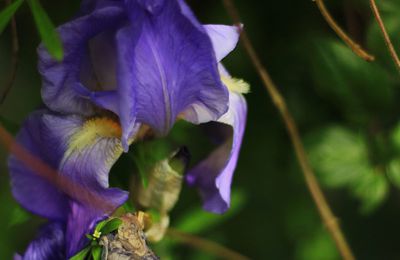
(7, 14)
(47, 31)
(111, 226)
(81, 255)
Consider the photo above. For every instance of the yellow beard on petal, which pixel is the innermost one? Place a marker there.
(92, 130)
(236, 85)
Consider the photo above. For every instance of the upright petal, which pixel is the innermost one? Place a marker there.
(48, 245)
(171, 67)
(126, 39)
(224, 38)
(59, 78)
(213, 176)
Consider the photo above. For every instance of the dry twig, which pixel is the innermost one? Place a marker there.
(325, 211)
(356, 48)
(388, 42)
(205, 245)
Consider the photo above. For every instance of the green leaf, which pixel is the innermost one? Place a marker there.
(317, 246)
(96, 252)
(372, 190)
(198, 220)
(101, 224)
(7, 13)
(82, 254)
(393, 173)
(349, 82)
(395, 138)
(111, 226)
(340, 157)
(47, 31)
(18, 216)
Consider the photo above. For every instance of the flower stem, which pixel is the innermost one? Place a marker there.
(320, 201)
(205, 245)
(388, 42)
(14, 58)
(356, 48)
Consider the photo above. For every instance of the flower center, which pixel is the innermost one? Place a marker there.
(100, 127)
(236, 85)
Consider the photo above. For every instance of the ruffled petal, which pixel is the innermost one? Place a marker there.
(82, 220)
(83, 151)
(31, 190)
(171, 67)
(224, 38)
(48, 245)
(91, 148)
(213, 176)
(59, 78)
(152, 6)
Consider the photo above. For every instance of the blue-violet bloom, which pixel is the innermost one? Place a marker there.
(82, 152)
(151, 62)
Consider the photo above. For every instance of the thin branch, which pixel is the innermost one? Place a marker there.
(320, 201)
(54, 177)
(388, 42)
(14, 58)
(356, 48)
(205, 245)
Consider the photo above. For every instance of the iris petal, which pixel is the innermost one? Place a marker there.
(83, 151)
(168, 68)
(213, 176)
(30, 189)
(48, 245)
(59, 78)
(90, 151)
(223, 37)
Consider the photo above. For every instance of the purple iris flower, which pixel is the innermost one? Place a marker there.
(150, 62)
(82, 152)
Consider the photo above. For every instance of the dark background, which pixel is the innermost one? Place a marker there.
(326, 87)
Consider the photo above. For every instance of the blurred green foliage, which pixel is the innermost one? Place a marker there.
(347, 111)
(7, 13)
(44, 25)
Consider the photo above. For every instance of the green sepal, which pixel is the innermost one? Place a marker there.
(155, 215)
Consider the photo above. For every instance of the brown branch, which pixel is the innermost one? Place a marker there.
(356, 48)
(312, 184)
(205, 245)
(14, 58)
(388, 42)
(43, 170)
